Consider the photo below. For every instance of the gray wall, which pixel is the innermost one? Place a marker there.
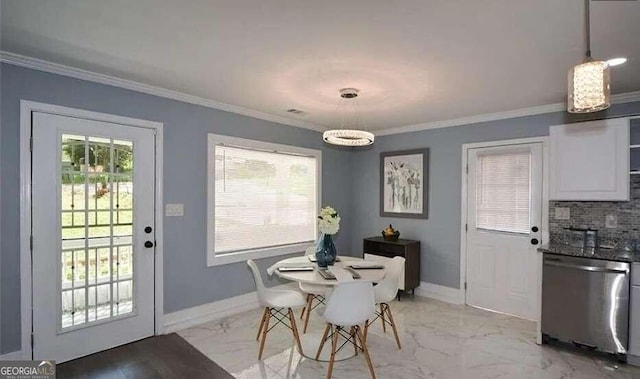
(187, 280)
(440, 234)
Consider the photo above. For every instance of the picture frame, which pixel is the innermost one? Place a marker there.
(404, 183)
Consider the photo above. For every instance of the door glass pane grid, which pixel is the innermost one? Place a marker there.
(503, 192)
(97, 230)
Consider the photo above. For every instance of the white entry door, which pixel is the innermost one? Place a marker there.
(504, 214)
(92, 215)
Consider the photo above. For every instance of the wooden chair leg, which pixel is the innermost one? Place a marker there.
(324, 337)
(265, 329)
(393, 325)
(384, 326)
(294, 329)
(306, 320)
(305, 307)
(366, 330)
(352, 333)
(334, 347)
(264, 317)
(365, 350)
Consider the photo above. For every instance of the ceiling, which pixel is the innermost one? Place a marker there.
(414, 61)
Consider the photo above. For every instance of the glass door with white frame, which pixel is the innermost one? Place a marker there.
(93, 235)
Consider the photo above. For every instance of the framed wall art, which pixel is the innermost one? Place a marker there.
(404, 183)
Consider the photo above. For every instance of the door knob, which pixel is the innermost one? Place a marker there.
(148, 244)
(148, 229)
(534, 229)
(534, 241)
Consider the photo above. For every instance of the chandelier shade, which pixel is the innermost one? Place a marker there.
(588, 82)
(589, 88)
(348, 137)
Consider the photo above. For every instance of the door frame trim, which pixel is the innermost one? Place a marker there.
(544, 140)
(26, 283)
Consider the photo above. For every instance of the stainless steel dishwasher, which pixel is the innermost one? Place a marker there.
(586, 302)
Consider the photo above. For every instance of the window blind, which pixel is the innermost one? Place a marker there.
(503, 191)
(263, 199)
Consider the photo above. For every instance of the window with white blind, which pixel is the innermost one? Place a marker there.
(262, 199)
(503, 191)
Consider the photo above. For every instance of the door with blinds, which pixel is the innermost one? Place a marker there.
(504, 212)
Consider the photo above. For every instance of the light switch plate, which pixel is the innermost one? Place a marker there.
(562, 213)
(611, 221)
(173, 210)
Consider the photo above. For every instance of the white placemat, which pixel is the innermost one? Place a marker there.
(367, 263)
(291, 262)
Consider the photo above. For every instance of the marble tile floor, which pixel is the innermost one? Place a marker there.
(439, 340)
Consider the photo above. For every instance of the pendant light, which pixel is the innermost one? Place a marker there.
(348, 137)
(589, 81)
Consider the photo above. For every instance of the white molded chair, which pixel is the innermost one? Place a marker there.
(314, 292)
(385, 292)
(350, 305)
(277, 304)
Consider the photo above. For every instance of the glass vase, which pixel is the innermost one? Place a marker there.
(326, 251)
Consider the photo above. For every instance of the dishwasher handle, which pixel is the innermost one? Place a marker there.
(555, 263)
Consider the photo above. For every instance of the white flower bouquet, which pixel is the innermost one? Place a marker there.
(328, 221)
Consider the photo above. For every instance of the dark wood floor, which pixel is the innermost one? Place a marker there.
(167, 356)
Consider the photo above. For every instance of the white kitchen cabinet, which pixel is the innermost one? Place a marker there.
(590, 161)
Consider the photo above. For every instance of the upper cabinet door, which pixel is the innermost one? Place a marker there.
(590, 161)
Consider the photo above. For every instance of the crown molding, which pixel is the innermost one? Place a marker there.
(531, 111)
(627, 97)
(475, 119)
(55, 68)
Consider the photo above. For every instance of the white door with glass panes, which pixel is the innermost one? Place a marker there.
(504, 212)
(93, 235)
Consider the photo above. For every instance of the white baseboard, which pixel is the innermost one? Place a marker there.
(216, 310)
(442, 293)
(13, 356)
(200, 314)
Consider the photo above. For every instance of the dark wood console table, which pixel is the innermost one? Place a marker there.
(408, 249)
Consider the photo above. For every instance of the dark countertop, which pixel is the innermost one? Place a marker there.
(593, 253)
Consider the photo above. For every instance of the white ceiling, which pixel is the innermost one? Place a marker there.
(414, 61)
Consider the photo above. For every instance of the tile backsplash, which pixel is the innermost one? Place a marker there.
(593, 215)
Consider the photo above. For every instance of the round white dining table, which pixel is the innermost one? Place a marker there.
(310, 341)
(313, 277)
